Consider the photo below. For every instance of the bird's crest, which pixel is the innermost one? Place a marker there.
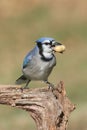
(43, 39)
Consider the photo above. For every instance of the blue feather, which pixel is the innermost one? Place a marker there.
(29, 56)
(26, 60)
(44, 38)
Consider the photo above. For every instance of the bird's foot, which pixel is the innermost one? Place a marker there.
(51, 87)
(24, 88)
(21, 89)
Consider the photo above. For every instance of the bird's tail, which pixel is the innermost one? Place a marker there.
(21, 80)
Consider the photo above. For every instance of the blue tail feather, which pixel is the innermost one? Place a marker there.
(21, 80)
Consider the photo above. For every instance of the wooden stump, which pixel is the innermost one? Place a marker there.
(49, 108)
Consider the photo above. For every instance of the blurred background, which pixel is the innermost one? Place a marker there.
(24, 21)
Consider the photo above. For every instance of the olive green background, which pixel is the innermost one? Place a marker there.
(24, 21)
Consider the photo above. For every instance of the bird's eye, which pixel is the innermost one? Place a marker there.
(46, 43)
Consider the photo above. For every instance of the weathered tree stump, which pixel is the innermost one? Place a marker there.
(50, 109)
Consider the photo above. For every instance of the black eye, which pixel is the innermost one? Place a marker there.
(46, 43)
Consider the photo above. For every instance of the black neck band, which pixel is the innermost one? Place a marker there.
(45, 59)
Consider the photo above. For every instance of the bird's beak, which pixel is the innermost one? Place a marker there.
(58, 47)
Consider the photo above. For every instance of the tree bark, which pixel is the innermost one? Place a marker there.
(49, 108)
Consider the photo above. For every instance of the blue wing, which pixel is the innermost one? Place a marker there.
(29, 57)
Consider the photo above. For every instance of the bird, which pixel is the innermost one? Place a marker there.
(40, 61)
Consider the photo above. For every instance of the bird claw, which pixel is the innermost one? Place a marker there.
(51, 87)
(23, 88)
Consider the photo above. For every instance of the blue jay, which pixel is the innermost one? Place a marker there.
(39, 62)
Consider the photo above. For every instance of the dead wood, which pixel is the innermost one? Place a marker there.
(50, 109)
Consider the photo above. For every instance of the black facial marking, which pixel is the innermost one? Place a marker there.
(39, 45)
(41, 52)
(47, 43)
(40, 48)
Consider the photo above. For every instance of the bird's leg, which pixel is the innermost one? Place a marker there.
(27, 84)
(50, 84)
